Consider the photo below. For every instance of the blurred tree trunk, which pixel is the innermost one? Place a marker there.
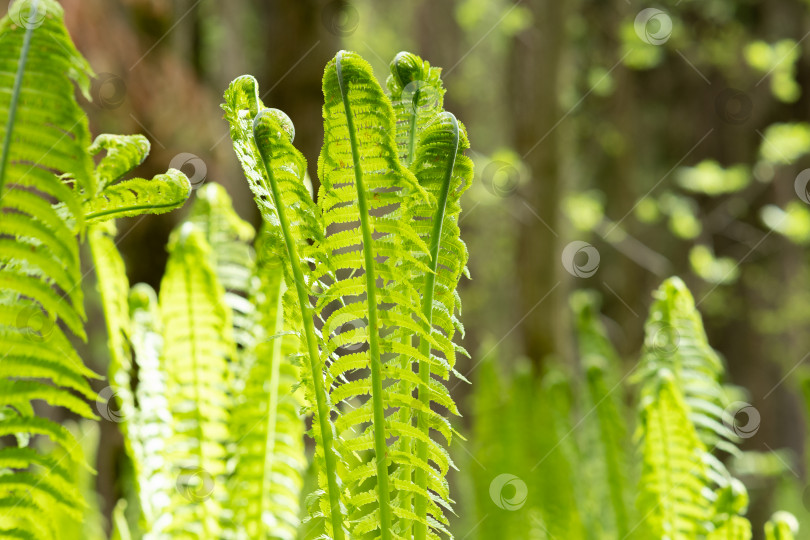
(535, 67)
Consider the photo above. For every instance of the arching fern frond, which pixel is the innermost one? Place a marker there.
(367, 199)
(44, 136)
(275, 171)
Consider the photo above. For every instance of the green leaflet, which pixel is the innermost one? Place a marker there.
(198, 344)
(43, 130)
(122, 154)
(138, 196)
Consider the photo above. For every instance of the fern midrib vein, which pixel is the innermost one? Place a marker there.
(380, 448)
(15, 95)
(420, 505)
(195, 367)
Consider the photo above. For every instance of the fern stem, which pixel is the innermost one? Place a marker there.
(420, 505)
(15, 95)
(380, 448)
(312, 349)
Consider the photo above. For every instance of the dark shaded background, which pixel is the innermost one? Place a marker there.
(561, 100)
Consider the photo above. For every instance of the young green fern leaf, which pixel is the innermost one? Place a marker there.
(43, 131)
(781, 526)
(685, 490)
(275, 172)
(198, 345)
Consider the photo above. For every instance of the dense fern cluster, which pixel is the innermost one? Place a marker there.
(580, 461)
(341, 313)
(374, 268)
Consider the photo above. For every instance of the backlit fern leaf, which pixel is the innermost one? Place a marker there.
(674, 471)
(267, 483)
(367, 199)
(197, 346)
(275, 170)
(43, 131)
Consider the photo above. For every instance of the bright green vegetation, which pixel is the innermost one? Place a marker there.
(337, 321)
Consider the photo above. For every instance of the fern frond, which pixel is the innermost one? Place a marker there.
(270, 454)
(676, 341)
(149, 428)
(367, 198)
(604, 423)
(674, 471)
(233, 257)
(138, 196)
(198, 345)
(43, 132)
(275, 171)
(122, 153)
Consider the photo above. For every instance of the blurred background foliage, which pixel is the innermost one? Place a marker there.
(672, 141)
